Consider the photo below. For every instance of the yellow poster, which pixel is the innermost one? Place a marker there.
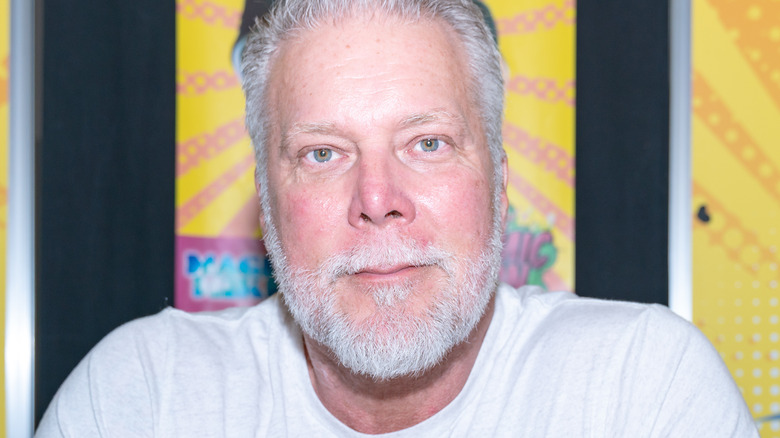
(736, 193)
(220, 260)
(539, 139)
(5, 36)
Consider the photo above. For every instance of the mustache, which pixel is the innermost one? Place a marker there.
(385, 252)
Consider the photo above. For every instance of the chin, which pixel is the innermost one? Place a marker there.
(388, 330)
(410, 326)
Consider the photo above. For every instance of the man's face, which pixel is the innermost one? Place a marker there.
(381, 191)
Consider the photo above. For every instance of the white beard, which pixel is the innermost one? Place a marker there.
(393, 341)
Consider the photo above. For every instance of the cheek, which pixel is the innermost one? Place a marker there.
(462, 209)
(305, 220)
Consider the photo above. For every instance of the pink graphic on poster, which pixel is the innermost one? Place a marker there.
(216, 273)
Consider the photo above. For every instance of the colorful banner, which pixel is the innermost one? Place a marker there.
(219, 256)
(5, 36)
(220, 260)
(539, 139)
(736, 194)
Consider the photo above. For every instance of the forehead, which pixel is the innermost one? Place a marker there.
(366, 64)
(347, 36)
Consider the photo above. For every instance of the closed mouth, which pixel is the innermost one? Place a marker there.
(386, 270)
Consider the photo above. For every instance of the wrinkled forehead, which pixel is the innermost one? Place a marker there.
(369, 22)
(370, 69)
(369, 44)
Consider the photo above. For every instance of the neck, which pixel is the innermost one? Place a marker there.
(374, 407)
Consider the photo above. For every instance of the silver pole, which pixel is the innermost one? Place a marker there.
(20, 254)
(680, 213)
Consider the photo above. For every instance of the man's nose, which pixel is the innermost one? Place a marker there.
(380, 197)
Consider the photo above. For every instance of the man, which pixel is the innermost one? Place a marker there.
(382, 183)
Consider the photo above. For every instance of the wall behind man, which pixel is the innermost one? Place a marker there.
(105, 180)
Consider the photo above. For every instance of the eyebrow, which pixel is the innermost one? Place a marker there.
(312, 128)
(430, 117)
(323, 128)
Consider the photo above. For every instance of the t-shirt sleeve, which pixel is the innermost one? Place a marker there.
(110, 392)
(701, 398)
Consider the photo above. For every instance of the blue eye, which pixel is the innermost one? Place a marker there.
(429, 144)
(322, 155)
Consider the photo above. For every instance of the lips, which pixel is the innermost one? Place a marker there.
(386, 270)
(386, 273)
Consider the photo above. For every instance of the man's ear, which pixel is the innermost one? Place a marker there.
(504, 197)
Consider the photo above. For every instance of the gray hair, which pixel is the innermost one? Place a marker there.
(290, 18)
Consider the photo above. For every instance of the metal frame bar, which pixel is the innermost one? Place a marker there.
(20, 249)
(680, 217)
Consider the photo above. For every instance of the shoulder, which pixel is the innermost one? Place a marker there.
(564, 313)
(653, 366)
(605, 334)
(174, 338)
(123, 381)
(106, 392)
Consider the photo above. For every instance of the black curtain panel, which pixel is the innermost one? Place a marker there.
(622, 150)
(105, 176)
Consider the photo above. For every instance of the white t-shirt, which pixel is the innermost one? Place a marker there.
(551, 365)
